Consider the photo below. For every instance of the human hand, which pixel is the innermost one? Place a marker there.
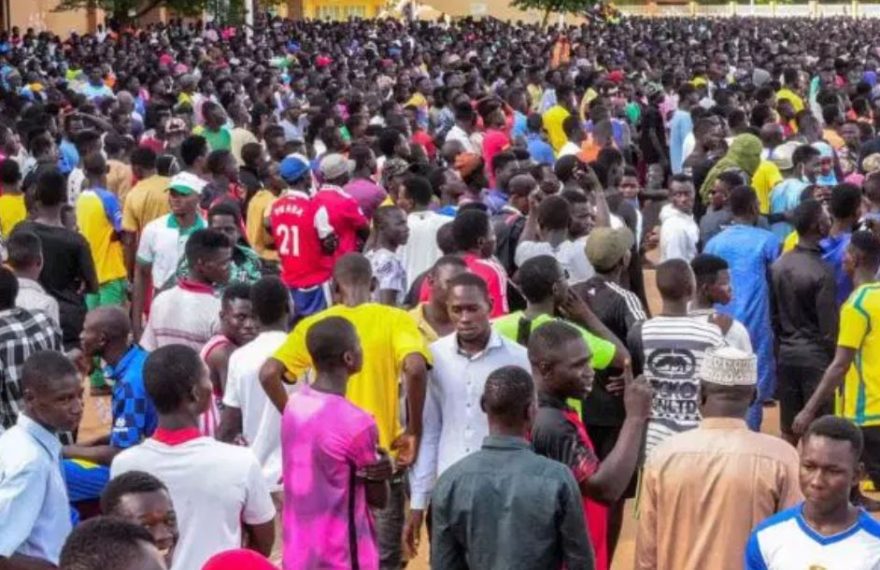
(406, 446)
(573, 307)
(380, 470)
(802, 421)
(412, 532)
(637, 394)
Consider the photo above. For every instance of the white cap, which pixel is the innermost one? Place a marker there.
(728, 366)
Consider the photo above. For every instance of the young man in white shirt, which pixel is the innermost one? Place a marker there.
(248, 416)
(25, 250)
(547, 233)
(679, 233)
(420, 251)
(218, 489)
(453, 424)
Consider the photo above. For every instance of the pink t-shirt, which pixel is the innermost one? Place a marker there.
(324, 440)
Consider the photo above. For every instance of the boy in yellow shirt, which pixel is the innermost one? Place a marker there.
(12, 208)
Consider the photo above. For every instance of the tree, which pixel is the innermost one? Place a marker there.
(128, 10)
(559, 6)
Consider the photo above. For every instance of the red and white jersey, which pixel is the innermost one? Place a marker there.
(298, 225)
(345, 216)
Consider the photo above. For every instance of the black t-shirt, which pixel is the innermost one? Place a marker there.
(619, 310)
(652, 122)
(67, 268)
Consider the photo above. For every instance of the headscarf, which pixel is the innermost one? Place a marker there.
(744, 154)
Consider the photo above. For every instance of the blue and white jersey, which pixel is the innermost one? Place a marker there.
(785, 542)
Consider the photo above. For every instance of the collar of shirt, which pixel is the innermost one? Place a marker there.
(809, 248)
(25, 283)
(333, 188)
(48, 440)
(495, 341)
(506, 442)
(194, 287)
(176, 436)
(723, 423)
(130, 358)
(199, 224)
(552, 401)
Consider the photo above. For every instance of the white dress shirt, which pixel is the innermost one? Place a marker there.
(453, 425)
(33, 297)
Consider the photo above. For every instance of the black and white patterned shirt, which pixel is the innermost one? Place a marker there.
(22, 333)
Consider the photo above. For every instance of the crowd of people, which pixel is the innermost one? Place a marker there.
(351, 285)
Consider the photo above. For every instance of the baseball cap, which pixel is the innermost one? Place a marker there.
(335, 165)
(187, 184)
(238, 559)
(607, 246)
(783, 155)
(175, 125)
(293, 168)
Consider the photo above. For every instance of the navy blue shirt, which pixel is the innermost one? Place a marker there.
(134, 416)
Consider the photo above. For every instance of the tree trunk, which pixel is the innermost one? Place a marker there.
(545, 18)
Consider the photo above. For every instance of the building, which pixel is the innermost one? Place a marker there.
(41, 15)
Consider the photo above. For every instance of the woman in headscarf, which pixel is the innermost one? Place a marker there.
(743, 156)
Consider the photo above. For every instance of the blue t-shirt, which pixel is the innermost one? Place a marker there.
(785, 541)
(134, 415)
(540, 151)
(833, 250)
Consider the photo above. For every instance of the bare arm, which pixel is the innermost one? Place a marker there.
(22, 562)
(261, 537)
(831, 380)
(230, 424)
(138, 298)
(100, 454)
(415, 382)
(272, 381)
(129, 250)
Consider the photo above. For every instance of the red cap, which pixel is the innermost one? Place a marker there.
(240, 559)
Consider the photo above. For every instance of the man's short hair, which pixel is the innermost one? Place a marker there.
(554, 213)
(204, 243)
(806, 215)
(418, 189)
(130, 483)
(353, 269)
(536, 277)
(8, 288)
(868, 245)
(45, 367)
(846, 199)
(24, 249)
(706, 268)
(10, 173)
(144, 157)
(469, 279)
(546, 339)
(674, 279)
(839, 429)
(804, 153)
(509, 391)
(328, 340)
(742, 200)
(103, 543)
(192, 148)
(468, 227)
(51, 188)
(225, 209)
(236, 292)
(170, 373)
(270, 300)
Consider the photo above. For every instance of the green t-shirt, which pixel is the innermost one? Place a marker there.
(603, 351)
(217, 140)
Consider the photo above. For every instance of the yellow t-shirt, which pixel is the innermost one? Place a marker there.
(553, 120)
(861, 389)
(12, 211)
(98, 215)
(786, 94)
(428, 332)
(763, 180)
(791, 240)
(388, 335)
(257, 235)
(145, 202)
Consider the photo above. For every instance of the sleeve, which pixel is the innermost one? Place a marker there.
(446, 550)
(258, 505)
(354, 215)
(129, 417)
(525, 250)
(603, 351)
(826, 311)
(754, 560)
(636, 349)
(789, 474)
(146, 251)
(646, 538)
(112, 209)
(577, 553)
(362, 450)
(425, 469)
(322, 223)
(407, 339)
(558, 440)
(293, 354)
(21, 498)
(384, 271)
(86, 263)
(853, 325)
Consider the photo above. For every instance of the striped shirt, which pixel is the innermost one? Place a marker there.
(188, 314)
(668, 351)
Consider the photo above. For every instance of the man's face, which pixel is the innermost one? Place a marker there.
(487, 249)
(91, 339)
(629, 187)
(398, 230)
(182, 204)
(811, 168)
(58, 404)
(719, 193)
(714, 137)
(721, 291)
(851, 135)
(682, 197)
(215, 267)
(238, 321)
(155, 512)
(581, 219)
(439, 279)
(828, 472)
(569, 373)
(469, 311)
(148, 558)
(227, 226)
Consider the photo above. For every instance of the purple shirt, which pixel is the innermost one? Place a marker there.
(324, 440)
(368, 194)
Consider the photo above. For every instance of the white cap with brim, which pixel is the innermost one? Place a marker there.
(186, 183)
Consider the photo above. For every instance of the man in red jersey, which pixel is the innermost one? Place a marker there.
(304, 239)
(346, 217)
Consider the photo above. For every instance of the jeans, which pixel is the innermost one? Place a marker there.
(389, 526)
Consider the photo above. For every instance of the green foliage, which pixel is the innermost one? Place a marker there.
(133, 9)
(554, 6)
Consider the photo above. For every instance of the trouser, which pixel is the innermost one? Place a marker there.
(111, 293)
(389, 526)
(871, 454)
(85, 480)
(794, 387)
